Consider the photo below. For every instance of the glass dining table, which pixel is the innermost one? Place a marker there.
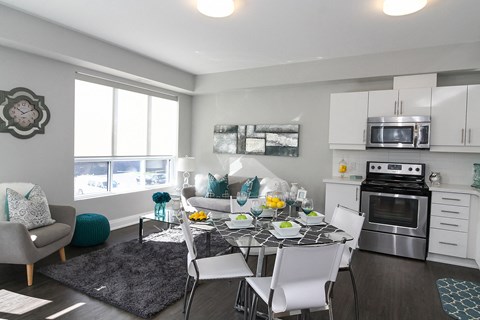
(261, 237)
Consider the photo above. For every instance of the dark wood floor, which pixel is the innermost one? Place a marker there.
(389, 288)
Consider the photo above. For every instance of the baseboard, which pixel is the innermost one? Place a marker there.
(126, 221)
(469, 263)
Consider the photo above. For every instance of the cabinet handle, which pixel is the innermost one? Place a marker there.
(469, 136)
(356, 194)
(401, 107)
(448, 224)
(448, 211)
(463, 133)
(449, 243)
(451, 199)
(364, 136)
(395, 108)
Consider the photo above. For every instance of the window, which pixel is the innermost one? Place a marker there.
(125, 138)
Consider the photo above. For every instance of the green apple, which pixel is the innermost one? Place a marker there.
(312, 214)
(241, 217)
(286, 224)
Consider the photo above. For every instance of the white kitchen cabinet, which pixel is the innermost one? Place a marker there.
(455, 114)
(348, 120)
(347, 195)
(472, 131)
(404, 102)
(449, 224)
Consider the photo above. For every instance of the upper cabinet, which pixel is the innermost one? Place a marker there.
(404, 102)
(455, 114)
(348, 120)
(472, 131)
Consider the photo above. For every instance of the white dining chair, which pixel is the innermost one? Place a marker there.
(351, 222)
(229, 266)
(302, 278)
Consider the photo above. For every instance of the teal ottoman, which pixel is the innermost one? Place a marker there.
(91, 229)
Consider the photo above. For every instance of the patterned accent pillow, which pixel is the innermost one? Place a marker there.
(217, 188)
(32, 210)
(252, 187)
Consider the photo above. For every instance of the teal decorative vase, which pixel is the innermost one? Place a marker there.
(476, 175)
(160, 210)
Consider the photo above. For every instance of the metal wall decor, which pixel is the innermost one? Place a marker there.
(23, 113)
(259, 139)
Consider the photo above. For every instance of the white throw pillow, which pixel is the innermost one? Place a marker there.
(273, 184)
(32, 211)
(201, 182)
(20, 187)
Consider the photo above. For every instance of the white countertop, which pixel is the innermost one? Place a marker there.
(458, 188)
(345, 180)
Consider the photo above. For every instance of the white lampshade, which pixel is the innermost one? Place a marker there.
(216, 8)
(402, 7)
(186, 164)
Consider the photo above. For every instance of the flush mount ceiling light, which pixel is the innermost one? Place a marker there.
(216, 8)
(402, 7)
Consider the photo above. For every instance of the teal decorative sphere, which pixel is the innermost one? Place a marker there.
(91, 229)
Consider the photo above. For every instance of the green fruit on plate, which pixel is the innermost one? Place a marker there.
(286, 224)
(312, 214)
(241, 217)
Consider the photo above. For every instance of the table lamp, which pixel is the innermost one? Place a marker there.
(186, 165)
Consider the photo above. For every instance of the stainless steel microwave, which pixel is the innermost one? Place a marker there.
(399, 132)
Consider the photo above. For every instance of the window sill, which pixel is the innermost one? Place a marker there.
(119, 193)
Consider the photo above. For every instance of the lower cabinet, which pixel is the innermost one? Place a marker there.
(449, 224)
(347, 195)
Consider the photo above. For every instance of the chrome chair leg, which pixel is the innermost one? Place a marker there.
(246, 306)
(238, 296)
(185, 294)
(190, 299)
(253, 309)
(355, 295)
(330, 300)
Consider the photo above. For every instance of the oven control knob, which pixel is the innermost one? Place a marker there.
(379, 167)
(417, 169)
(410, 169)
(373, 167)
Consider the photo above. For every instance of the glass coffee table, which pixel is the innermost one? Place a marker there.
(171, 219)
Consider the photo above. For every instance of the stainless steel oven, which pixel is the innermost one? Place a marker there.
(395, 200)
(399, 132)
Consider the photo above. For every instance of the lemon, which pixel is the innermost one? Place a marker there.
(275, 199)
(280, 204)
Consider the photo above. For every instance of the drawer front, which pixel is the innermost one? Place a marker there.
(449, 224)
(456, 199)
(447, 211)
(450, 243)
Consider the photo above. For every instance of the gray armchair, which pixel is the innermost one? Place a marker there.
(21, 246)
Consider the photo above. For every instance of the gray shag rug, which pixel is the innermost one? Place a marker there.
(142, 279)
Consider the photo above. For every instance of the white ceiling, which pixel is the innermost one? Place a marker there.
(260, 32)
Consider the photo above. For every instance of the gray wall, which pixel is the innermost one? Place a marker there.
(307, 105)
(48, 159)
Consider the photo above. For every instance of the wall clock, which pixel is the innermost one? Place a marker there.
(23, 113)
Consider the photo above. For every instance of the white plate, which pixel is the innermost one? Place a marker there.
(304, 223)
(295, 236)
(230, 225)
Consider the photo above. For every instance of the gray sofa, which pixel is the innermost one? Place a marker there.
(21, 246)
(193, 200)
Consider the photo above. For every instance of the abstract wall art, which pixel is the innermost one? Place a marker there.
(258, 139)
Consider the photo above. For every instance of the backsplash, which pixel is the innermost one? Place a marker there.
(455, 168)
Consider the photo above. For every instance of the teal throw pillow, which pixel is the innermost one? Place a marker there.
(252, 187)
(217, 188)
